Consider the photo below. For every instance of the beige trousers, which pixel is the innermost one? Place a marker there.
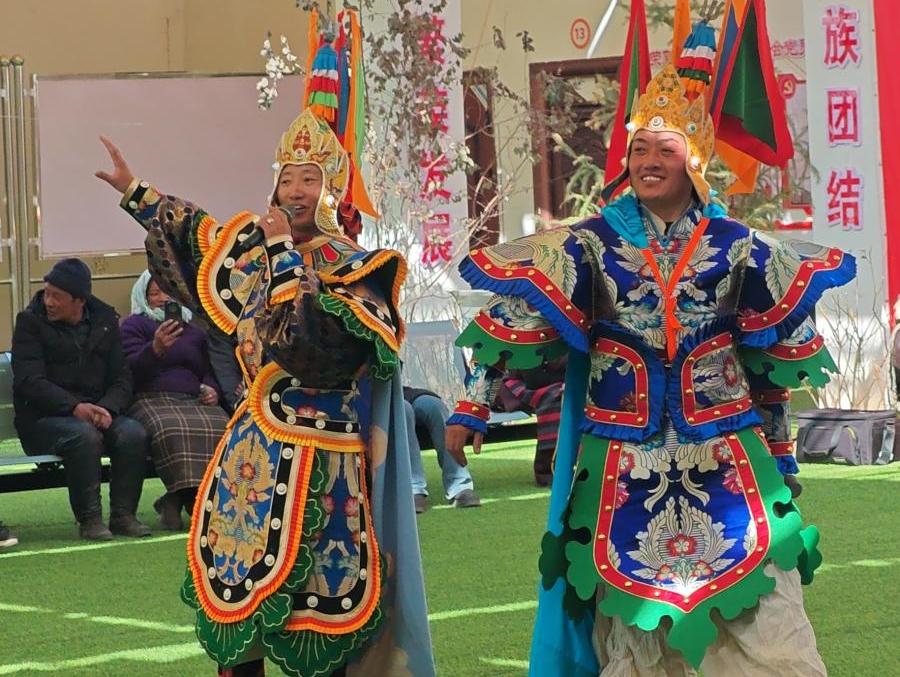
(774, 639)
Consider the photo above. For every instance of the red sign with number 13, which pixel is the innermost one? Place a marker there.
(580, 33)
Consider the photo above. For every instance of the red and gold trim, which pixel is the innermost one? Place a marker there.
(534, 276)
(467, 408)
(211, 297)
(779, 396)
(356, 617)
(510, 335)
(217, 609)
(801, 351)
(635, 419)
(693, 414)
(782, 448)
(259, 402)
(606, 515)
(796, 290)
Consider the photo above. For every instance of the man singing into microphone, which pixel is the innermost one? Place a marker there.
(303, 540)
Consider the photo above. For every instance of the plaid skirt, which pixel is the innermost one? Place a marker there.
(183, 435)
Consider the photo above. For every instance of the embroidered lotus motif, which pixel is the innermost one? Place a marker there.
(682, 546)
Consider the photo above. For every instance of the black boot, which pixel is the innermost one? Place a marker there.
(93, 529)
(168, 506)
(128, 525)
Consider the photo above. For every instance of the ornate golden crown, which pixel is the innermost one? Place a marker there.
(310, 140)
(664, 107)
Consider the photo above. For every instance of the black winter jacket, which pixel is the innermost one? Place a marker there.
(52, 373)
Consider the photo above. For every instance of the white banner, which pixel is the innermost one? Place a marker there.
(844, 138)
(848, 193)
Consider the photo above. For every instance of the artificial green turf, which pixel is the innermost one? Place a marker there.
(473, 558)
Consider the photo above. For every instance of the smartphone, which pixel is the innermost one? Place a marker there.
(173, 311)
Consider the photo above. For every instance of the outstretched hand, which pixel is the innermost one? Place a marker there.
(120, 177)
(456, 438)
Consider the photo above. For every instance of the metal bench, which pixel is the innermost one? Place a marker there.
(19, 471)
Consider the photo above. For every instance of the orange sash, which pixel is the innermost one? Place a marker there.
(670, 298)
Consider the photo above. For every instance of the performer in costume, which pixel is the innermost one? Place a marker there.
(303, 545)
(673, 541)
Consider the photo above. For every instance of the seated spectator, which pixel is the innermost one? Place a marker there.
(71, 388)
(424, 408)
(538, 391)
(176, 396)
(7, 540)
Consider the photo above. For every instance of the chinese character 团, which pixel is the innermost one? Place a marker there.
(843, 116)
(841, 36)
(845, 199)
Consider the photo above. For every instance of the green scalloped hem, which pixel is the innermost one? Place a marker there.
(692, 633)
(314, 654)
(229, 643)
(386, 360)
(790, 373)
(489, 349)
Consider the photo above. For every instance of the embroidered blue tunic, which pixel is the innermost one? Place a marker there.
(691, 335)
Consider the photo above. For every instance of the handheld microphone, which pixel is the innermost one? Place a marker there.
(257, 237)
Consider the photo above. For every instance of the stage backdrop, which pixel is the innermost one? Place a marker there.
(198, 137)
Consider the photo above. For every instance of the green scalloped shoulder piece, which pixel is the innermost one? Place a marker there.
(313, 654)
(489, 350)
(790, 373)
(386, 360)
(693, 632)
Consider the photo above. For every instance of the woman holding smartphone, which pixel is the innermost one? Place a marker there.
(176, 394)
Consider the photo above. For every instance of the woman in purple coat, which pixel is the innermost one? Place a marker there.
(176, 396)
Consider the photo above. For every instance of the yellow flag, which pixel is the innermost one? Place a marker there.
(682, 28)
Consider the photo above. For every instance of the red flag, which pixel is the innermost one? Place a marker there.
(633, 78)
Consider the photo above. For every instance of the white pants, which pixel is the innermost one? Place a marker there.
(774, 639)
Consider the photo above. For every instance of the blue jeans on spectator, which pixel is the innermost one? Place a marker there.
(81, 446)
(431, 413)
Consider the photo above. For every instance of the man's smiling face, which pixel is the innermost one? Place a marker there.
(656, 168)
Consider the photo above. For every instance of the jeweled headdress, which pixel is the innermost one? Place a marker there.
(664, 107)
(329, 133)
(310, 140)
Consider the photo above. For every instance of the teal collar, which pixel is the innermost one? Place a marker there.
(624, 216)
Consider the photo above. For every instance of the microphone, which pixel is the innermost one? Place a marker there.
(257, 237)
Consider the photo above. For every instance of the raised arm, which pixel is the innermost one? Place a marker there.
(174, 228)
